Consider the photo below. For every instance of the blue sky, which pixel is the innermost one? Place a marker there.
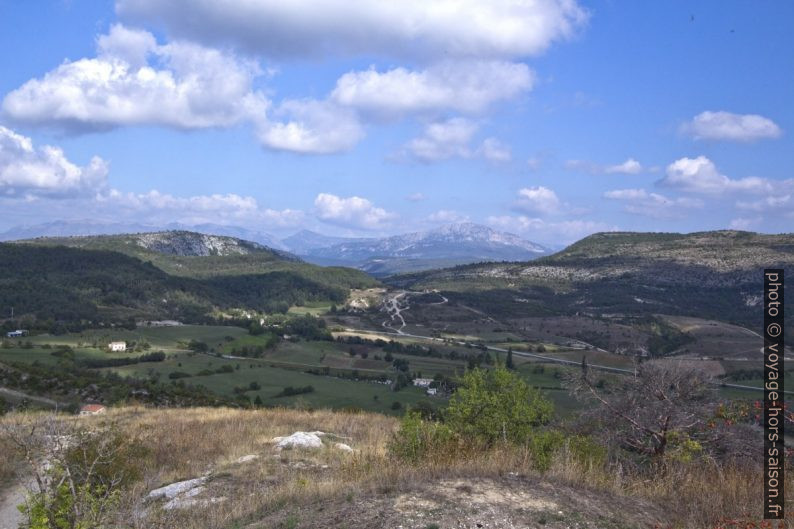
(551, 119)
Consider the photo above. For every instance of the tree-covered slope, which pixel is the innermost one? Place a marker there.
(708, 274)
(72, 284)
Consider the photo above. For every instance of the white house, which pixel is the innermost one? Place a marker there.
(117, 346)
(17, 333)
(432, 391)
(423, 382)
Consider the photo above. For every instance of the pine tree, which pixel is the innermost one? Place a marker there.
(509, 364)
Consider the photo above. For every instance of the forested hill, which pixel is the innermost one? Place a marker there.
(197, 255)
(708, 274)
(73, 284)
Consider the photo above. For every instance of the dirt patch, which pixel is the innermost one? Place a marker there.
(502, 503)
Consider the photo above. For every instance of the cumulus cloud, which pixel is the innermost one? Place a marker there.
(742, 223)
(494, 150)
(415, 29)
(461, 86)
(452, 138)
(351, 212)
(731, 127)
(445, 216)
(655, 205)
(550, 232)
(443, 140)
(312, 127)
(629, 167)
(45, 170)
(165, 207)
(700, 175)
(538, 200)
(771, 203)
(135, 81)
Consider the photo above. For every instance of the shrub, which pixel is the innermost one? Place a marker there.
(496, 405)
(417, 438)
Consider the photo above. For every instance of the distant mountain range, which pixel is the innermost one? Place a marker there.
(450, 245)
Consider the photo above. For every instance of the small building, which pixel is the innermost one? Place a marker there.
(117, 346)
(92, 409)
(423, 382)
(432, 391)
(19, 333)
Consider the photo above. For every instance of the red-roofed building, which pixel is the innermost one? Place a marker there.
(92, 409)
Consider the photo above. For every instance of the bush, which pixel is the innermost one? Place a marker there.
(417, 438)
(289, 391)
(496, 405)
(174, 375)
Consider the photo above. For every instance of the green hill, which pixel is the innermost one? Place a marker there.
(707, 274)
(179, 275)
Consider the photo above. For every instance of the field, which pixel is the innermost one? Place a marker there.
(342, 374)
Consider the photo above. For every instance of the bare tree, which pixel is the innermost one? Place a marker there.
(664, 406)
(77, 473)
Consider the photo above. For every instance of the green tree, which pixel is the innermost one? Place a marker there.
(496, 405)
(509, 363)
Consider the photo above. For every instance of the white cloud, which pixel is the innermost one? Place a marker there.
(741, 223)
(550, 232)
(408, 28)
(630, 166)
(164, 207)
(44, 170)
(135, 81)
(313, 127)
(534, 163)
(655, 205)
(731, 127)
(443, 140)
(351, 212)
(771, 203)
(538, 200)
(446, 216)
(494, 150)
(416, 197)
(460, 86)
(700, 175)
(452, 138)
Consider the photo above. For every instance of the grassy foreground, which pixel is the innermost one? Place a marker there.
(332, 488)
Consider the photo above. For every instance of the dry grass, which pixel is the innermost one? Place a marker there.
(187, 443)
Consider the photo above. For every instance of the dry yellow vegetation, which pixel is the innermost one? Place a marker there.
(367, 488)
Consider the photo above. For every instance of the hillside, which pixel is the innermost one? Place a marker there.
(707, 274)
(220, 468)
(180, 275)
(197, 255)
(71, 228)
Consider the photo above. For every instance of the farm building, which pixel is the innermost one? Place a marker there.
(423, 382)
(17, 333)
(117, 346)
(92, 409)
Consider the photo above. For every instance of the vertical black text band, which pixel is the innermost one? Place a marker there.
(773, 394)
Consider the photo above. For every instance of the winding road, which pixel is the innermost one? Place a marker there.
(397, 303)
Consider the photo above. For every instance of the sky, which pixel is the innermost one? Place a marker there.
(551, 119)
